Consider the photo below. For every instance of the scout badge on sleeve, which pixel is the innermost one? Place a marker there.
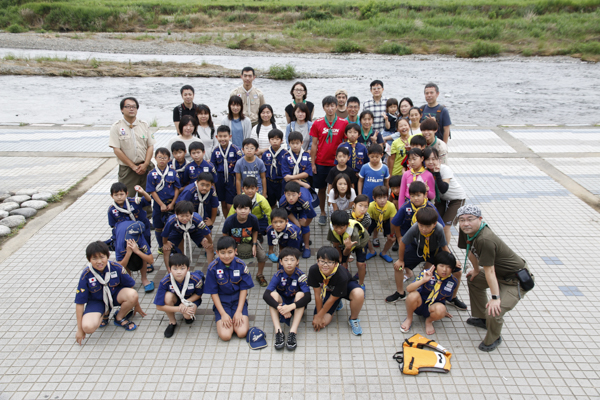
(413, 358)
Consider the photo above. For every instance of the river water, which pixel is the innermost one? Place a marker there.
(484, 92)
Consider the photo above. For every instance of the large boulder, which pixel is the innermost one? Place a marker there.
(42, 196)
(27, 212)
(4, 230)
(3, 214)
(27, 192)
(36, 204)
(9, 206)
(13, 221)
(17, 199)
(4, 194)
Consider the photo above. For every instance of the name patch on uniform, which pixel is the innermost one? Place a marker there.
(191, 286)
(113, 274)
(294, 282)
(206, 169)
(231, 154)
(304, 158)
(285, 236)
(170, 173)
(236, 272)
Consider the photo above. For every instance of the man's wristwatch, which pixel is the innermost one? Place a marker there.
(254, 244)
(495, 297)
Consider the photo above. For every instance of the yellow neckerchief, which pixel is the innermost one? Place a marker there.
(357, 218)
(353, 155)
(415, 209)
(426, 250)
(381, 211)
(436, 289)
(326, 280)
(416, 173)
(348, 233)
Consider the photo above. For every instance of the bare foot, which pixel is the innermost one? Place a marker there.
(408, 273)
(406, 324)
(429, 329)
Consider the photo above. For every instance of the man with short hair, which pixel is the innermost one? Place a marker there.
(377, 105)
(500, 266)
(434, 110)
(187, 107)
(252, 98)
(342, 96)
(133, 144)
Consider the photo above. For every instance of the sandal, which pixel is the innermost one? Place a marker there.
(104, 321)
(261, 280)
(127, 324)
(149, 269)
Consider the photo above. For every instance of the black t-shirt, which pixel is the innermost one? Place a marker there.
(333, 172)
(289, 110)
(181, 110)
(241, 231)
(338, 284)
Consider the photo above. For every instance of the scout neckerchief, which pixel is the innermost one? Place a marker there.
(381, 211)
(366, 138)
(434, 142)
(127, 210)
(470, 240)
(173, 166)
(326, 281)
(276, 240)
(352, 122)
(353, 155)
(225, 161)
(357, 218)
(294, 101)
(187, 239)
(415, 210)
(426, 249)
(436, 289)
(274, 160)
(106, 295)
(330, 131)
(296, 162)
(181, 293)
(201, 198)
(416, 173)
(161, 184)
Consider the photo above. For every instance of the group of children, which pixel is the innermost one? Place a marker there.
(272, 197)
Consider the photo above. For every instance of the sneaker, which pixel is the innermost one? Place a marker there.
(395, 297)
(395, 247)
(456, 302)
(306, 253)
(355, 325)
(491, 347)
(160, 251)
(477, 322)
(375, 242)
(340, 306)
(364, 289)
(322, 220)
(279, 340)
(170, 330)
(291, 342)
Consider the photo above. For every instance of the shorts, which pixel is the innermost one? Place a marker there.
(448, 209)
(423, 309)
(361, 255)
(230, 309)
(411, 259)
(349, 288)
(226, 191)
(159, 218)
(286, 301)
(387, 231)
(98, 305)
(320, 179)
(196, 238)
(274, 190)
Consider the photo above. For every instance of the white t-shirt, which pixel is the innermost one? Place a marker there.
(209, 144)
(416, 131)
(342, 202)
(263, 138)
(187, 142)
(455, 191)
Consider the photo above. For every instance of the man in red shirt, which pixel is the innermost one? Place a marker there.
(327, 134)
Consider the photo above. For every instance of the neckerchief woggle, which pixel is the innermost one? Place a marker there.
(330, 131)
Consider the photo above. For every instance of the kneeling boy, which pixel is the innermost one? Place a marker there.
(428, 294)
(179, 291)
(227, 281)
(287, 295)
(104, 285)
(282, 233)
(331, 284)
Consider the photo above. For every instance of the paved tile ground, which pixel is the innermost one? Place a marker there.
(582, 170)
(559, 140)
(550, 351)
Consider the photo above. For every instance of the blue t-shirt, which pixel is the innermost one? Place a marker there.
(190, 193)
(373, 178)
(254, 169)
(89, 289)
(237, 132)
(403, 217)
(288, 285)
(167, 193)
(241, 231)
(195, 286)
(444, 118)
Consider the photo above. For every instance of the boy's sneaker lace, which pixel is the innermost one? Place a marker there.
(279, 340)
(355, 325)
(291, 341)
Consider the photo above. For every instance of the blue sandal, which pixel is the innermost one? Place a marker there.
(149, 287)
(371, 255)
(149, 269)
(126, 325)
(104, 321)
(386, 257)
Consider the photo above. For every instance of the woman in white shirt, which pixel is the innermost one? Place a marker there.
(266, 123)
(206, 129)
(414, 116)
(188, 133)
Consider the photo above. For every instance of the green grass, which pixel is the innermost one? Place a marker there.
(347, 46)
(483, 49)
(282, 72)
(393, 48)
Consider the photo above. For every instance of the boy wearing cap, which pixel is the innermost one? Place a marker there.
(228, 281)
(287, 295)
(132, 251)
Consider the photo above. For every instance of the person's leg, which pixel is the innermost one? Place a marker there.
(90, 322)
(477, 294)
(437, 311)
(158, 223)
(306, 232)
(170, 300)
(242, 329)
(224, 333)
(509, 297)
(327, 319)
(322, 197)
(275, 313)
(357, 299)
(362, 272)
(298, 313)
(128, 298)
(144, 274)
(389, 242)
(413, 301)
(261, 258)
(128, 177)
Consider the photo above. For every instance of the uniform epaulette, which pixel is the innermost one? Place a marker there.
(166, 279)
(213, 263)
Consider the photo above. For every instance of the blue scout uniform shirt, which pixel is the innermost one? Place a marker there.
(195, 286)
(198, 226)
(190, 193)
(167, 193)
(288, 285)
(217, 158)
(178, 168)
(121, 236)
(446, 289)
(228, 281)
(288, 164)
(291, 236)
(89, 289)
(192, 170)
(267, 158)
(302, 207)
(115, 216)
(358, 155)
(403, 217)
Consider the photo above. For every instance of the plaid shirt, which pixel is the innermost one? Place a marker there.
(377, 109)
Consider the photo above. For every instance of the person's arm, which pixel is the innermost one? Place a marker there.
(157, 199)
(80, 335)
(294, 220)
(401, 249)
(313, 154)
(271, 302)
(141, 190)
(238, 182)
(213, 214)
(417, 284)
(289, 120)
(361, 182)
(121, 156)
(254, 241)
(336, 245)
(493, 306)
(144, 166)
(441, 184)
(446, 133)
(224, 316)
(386, 183)
(266, 210)
(263, 178)
(391, 161)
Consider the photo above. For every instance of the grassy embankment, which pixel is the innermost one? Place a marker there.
(467, 28)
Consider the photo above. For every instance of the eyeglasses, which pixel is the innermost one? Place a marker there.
(130, 107)
(162, 158)
(469, 219)
(326, 263)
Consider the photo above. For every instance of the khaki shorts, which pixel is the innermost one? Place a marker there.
(450, 209)
(261, 255)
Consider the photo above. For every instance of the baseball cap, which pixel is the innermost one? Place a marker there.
(134, 231)
(256, 338)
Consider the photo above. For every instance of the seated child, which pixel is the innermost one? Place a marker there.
(104, 285)
(132, 251)
(331, 284)
(341, 159)
(260, 206)
(187, 226)
(178, 163)
(243, 227)
(427, 296)
(163, 186)
(197, 165)
(250, 165)
(347, 236)
(341, 195)
(296, 167)
(171, 296)
(287, 295)
(224, 157)
(357, 152)
(297, 201)
(373, 174)
(227, 281)
(282, 233)
(416, 173)
(381, 211)
(203, 197)
(420, 244)
(273, 159)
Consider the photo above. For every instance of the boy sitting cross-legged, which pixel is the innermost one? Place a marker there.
(282, 233)
(287, 295)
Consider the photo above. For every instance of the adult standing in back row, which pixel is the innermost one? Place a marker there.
(252, 98)
(377, 105)
(434, 110)
(187, 107)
